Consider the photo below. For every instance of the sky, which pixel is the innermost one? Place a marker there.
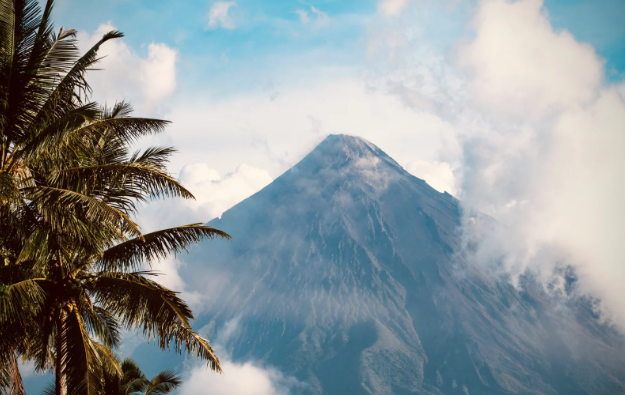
(515, 107)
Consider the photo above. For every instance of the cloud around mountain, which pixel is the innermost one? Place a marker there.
(545, 155)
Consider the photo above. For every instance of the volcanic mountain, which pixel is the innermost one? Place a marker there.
(349, 274)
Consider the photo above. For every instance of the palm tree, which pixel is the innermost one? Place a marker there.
(73, 293)
(71, 258)
(133, 381)
(93, 296)
(130, 380)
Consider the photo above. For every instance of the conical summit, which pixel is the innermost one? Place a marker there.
(348, 274)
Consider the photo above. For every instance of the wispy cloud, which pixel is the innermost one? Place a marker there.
(322, 17)
(314, 15)
(303, 16)
(219, 17)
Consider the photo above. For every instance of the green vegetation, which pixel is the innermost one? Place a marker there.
(74, 266)
(132, 381)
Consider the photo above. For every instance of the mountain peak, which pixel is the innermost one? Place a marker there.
(349, 274)
(341, 151)
(351, 146)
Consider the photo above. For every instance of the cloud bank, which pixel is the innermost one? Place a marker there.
(214, 194)
(439, 175)
(547, 158)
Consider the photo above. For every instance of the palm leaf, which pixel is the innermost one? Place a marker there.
(133, 253)
(143, 304)
(101, 324)
(163, 383)
(139, 178)
(54, 205)
(21, 300)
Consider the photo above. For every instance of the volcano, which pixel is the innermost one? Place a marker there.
(350, 274)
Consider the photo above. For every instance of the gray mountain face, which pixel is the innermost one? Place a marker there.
(348, 273)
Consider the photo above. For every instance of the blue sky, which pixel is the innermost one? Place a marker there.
(269, 38)
(269, 30)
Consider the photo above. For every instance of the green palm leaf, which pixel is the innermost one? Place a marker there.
(134, 253)
(143, 304)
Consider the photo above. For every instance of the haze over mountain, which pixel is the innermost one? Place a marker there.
(348, 273)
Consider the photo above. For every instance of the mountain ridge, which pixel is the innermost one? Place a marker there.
(348, 273)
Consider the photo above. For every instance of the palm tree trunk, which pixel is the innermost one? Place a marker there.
(61, 339)
(16, 385)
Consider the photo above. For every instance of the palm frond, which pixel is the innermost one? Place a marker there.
(57, 134)
(55, 204)
(101, 324)
(137, 178)
(163, 383)
(10, 377)
(143, 304)
(72, 87)
(133, 380)
(9, 190)
(21, 300)
(136, 252)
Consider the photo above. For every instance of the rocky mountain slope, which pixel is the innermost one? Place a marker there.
(348, 273)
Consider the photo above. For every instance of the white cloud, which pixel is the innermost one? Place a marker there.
(439, 175)
(196, 173)
(124, 75)
(216, 195)
(521, 67)
(392, 7)
(238, 379)
(557, 185)
(218, 15)
(275, 135)
(213, 195)
(26, 368)
(245, 378)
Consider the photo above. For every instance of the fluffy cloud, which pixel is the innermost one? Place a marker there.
(544, 151)
(392, 7)
(439, 175)
(246, 378)
(125, 75)
(218, 15)
(214, 194)
(521, 67)
(275, 135)
(239, 379)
